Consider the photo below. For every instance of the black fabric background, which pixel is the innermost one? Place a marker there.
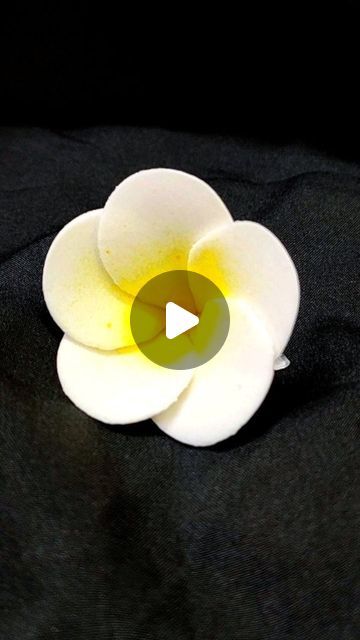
(123, 533)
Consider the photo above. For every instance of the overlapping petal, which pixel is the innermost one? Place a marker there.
(226, 391)
(151, 221)
(81, 296)
(117, 387)
(248, 261)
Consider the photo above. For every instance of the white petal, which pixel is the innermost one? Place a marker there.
(81, 296)
(248, 261)
(151, 221)
(117, 387)
(226, 391)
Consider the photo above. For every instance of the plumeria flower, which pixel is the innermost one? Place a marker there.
(156, 221)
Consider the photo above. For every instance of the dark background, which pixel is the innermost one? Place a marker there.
(123, 533)
(276, 73)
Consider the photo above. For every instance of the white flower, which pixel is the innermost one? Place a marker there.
(156, 221)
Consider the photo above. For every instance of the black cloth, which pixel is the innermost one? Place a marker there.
(123, 533)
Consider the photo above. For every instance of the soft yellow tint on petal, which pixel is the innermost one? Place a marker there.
(151, 221)
(80, 294)
(248, 261)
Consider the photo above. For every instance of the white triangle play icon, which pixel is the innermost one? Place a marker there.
(178, 320)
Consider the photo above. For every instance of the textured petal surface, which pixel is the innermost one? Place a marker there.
(151, 221)
(248, 261)
(117, 387)
(226, 391)
(81, 296)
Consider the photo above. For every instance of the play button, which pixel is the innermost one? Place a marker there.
(195, 319)
(178, 320)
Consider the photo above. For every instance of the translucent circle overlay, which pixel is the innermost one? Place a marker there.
(198, 295)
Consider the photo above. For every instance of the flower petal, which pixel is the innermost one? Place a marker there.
(117, 387)
(81, 296)
(246, 260)
(151, 221)
(226, 391)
